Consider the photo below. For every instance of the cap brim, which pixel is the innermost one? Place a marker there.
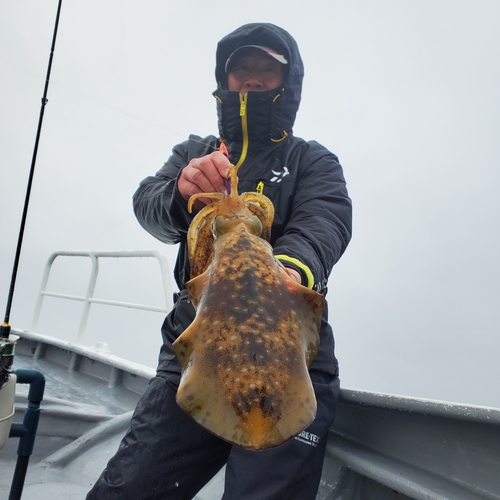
(279, 57)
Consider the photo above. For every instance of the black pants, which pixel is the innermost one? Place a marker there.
(166, 455)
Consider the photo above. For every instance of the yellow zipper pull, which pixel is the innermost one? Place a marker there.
(243, 104)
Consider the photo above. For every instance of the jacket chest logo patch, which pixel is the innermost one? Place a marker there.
(278, 176)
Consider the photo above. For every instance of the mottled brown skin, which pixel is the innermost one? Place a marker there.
(244, 358)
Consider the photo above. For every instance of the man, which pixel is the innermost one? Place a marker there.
(165, 454)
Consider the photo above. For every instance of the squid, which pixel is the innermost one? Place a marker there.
(244, 359)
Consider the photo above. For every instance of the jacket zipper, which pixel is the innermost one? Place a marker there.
(244, 128)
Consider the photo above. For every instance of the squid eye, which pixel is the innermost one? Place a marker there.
(222, 224)
(254, 225)
(219, 225)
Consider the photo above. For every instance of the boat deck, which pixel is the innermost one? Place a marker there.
(86, 410)
(381, 447)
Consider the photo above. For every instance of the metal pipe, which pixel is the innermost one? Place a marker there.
(26, 430)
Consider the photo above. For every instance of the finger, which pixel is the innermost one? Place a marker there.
(221, 162)
(188, 189)
(295, 275)
(215, 168)
(193, 180)
(204, 173)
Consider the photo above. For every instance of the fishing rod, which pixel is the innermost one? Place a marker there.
(7, 347)
(5, 327)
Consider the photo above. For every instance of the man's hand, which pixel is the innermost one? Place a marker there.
(295, 275)
(204, 175)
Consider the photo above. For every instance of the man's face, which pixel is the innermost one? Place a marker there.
(255, 71)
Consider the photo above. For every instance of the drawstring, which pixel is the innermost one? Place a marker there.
(285, 135)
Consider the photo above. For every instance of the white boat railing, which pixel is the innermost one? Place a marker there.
(89, 298)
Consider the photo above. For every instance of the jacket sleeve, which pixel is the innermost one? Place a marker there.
(158, 205)
(320, 224)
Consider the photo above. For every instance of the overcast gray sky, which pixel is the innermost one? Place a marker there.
(406, 93)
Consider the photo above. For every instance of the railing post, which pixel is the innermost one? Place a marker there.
(88, 296)
(43, 287)
(165, 274)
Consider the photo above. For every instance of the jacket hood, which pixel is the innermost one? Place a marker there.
(275, 119)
